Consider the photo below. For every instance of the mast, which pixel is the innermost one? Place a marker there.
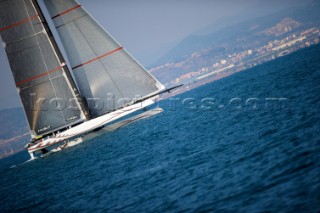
(81, 99)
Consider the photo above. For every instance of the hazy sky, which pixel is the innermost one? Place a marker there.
(152, 27)
(147, 28)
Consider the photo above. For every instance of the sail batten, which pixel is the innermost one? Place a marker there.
(39, 76)
(66, 11)
(103, 69)
(18, 23)
(97, 58)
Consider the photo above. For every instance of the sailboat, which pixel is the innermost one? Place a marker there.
(72, 76)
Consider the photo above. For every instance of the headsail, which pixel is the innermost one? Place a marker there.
(103, 70)
(47, 92)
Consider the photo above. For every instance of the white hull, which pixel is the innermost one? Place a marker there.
(106, 129)
(80, 132)
(89, 135)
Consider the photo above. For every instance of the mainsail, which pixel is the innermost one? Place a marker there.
(48, 93)
(106, 74)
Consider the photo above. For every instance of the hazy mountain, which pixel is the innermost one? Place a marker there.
(12, 123)
(262, 8)
(13, 131)
(307, 15)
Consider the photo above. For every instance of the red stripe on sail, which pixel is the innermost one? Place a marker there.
(67, 11)
(19, 23)
(39, 76)
(97, 58)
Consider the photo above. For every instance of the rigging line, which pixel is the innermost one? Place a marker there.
(66, 11)
(19, 23)
(97, 58)
(39, 76)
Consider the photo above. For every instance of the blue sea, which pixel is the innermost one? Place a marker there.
(246, 143)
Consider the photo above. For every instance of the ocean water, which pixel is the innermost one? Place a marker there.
(246, 143)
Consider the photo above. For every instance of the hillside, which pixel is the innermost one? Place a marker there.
(309, 16)
(198, 54)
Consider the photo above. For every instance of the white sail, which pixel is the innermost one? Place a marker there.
(102, 68)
